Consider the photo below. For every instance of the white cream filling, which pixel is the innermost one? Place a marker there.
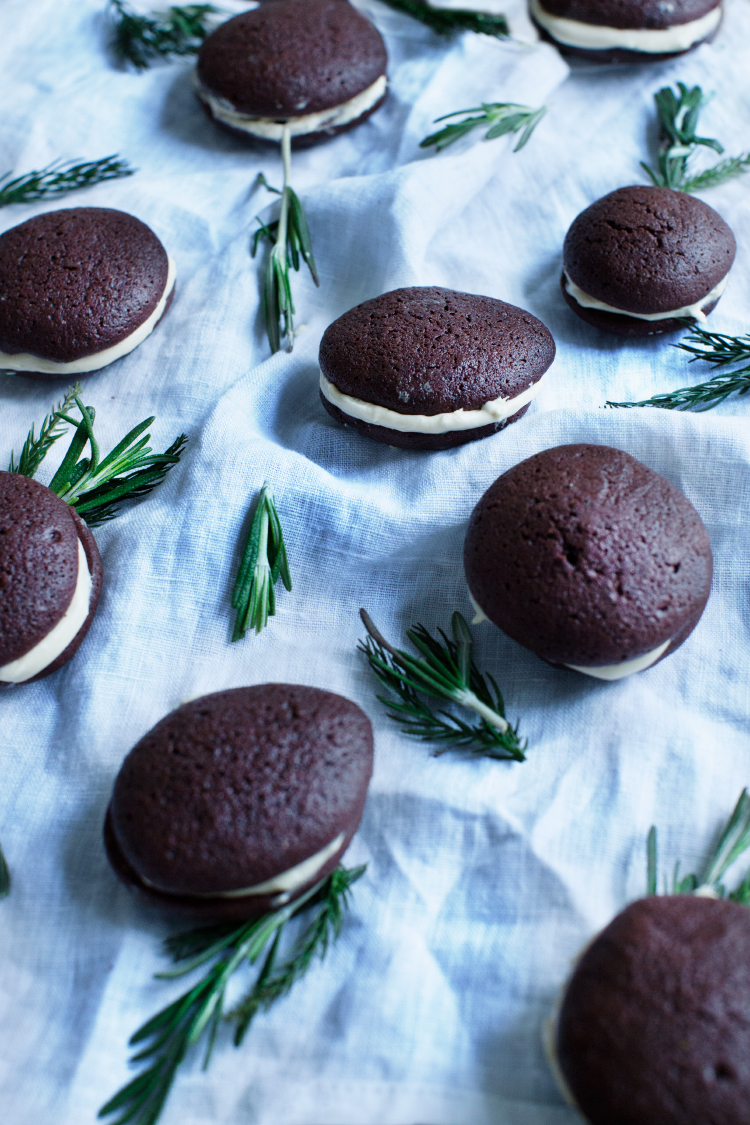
(24, 361)
(596, 37)
(626, 668)
(496, 411)
(696, 310)
(57, 640)
(271, 128)
(283, 884)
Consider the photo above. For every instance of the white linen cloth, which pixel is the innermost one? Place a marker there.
(484, 879)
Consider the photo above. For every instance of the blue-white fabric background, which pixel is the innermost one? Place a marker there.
(484, 879)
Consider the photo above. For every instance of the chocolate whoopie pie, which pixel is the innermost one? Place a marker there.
(50, 580)
(79, 288)
(640, 257)
(317, 64)
(239, 802)
(430, 368)
(589, 559)
(654, 1027)
(626, 31)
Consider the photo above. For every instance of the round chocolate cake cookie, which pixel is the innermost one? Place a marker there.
(590, 559)
(429, 368)
(640, 257)
(79, 288)
(655, 1022)
(626, 31)
(317, 64)
(50, 580)
(239, 802)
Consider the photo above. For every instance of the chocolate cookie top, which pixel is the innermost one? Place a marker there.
(77, 281)
(638, 14)
(655, 1022)
(429, 350)
(587, 557)
(648, 249)
(290, 58)
(38, 563)
(234, 788)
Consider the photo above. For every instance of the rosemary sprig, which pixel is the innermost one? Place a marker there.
(264, 561)
(4, 876)
(734, 840)
(142, 39)
(35, 449)
(165, 1039)
(96, 487)
(61, 177)
(445, 671)
(718, 350)
(678, 141)
(290, 240)
(503, 117)
(447, 20)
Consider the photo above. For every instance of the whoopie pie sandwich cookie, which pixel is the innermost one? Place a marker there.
(641, 257)
(50, 580)
(626, 31)
(79, 288)
(237, 803)
(317, 64)
(654, 1025)
(589, 559)
(430, 368)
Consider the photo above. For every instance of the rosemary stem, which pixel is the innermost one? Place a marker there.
(286, 155)
(469, 699)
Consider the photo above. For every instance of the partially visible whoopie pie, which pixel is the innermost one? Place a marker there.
(317, 64)
(79, 288)
(430, 368)
(239, 802)
(50, 580)
(640, 257)
(589, 559)
(626, 31)
(654, 1025)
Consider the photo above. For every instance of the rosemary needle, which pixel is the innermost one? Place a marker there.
(96, 486)
(502, 117)
(4, 876)
(264, 561)
(290, 241)
(447, 20)
(60, 177)
(164, 1040)
(445, 670)
(734, 840)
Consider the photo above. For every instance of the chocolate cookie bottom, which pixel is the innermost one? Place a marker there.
(622, 325)
(617, 54)
(306, 140)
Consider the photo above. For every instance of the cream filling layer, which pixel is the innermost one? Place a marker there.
(57, 640)
(285, 883)
(24, 361)
(696, 310)
(496, 411)
(626, 668)
(650, 41)
(271, 128)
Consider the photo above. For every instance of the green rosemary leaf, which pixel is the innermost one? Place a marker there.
(167, 1036)
(264, 560)
(678, 142)
(502, 117)
(289, 237)
(714, 347)
(61, 177)
(700, 397)
(734, 840)
(35, 449)
(4, 876)
(447, 20)
(445, 670)
(140, 40)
